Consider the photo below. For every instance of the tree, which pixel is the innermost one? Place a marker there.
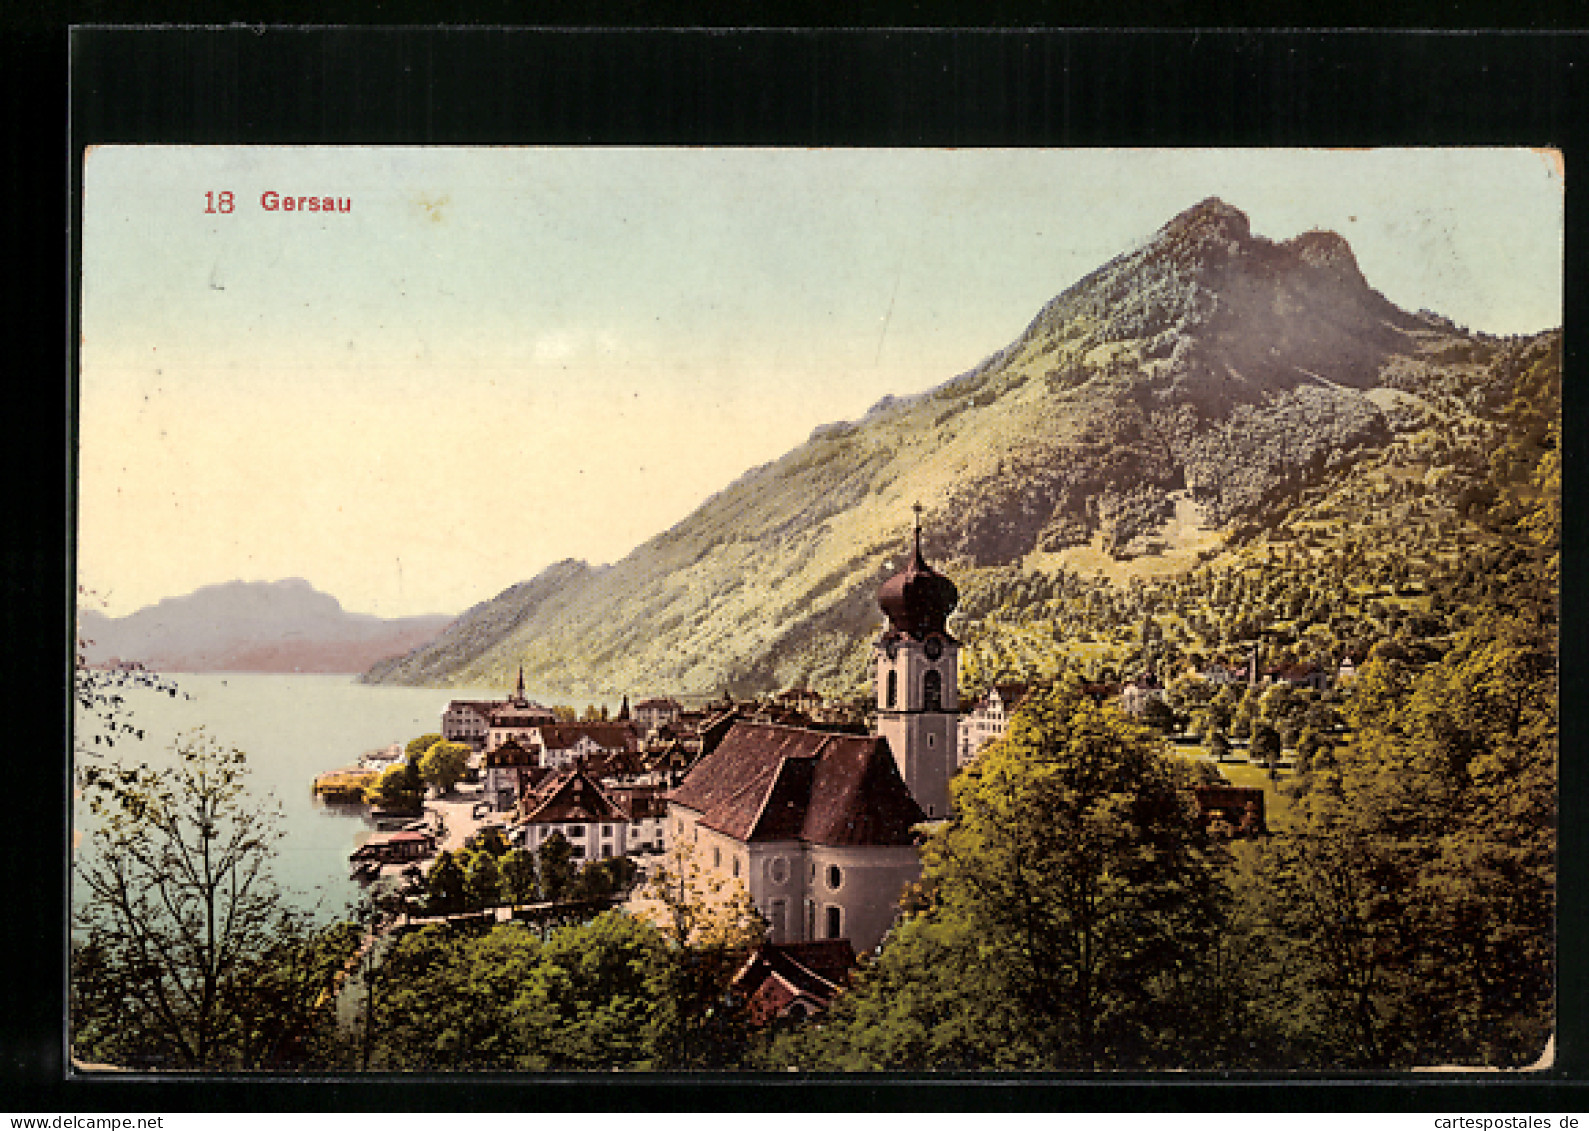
(1219, 746)
(490, 839)
(601, 878)
(179, 904)
(442, 764)
(1157, 714)
(399, 787)
(482, 881)
(555, 856)
(518, 876)
(1072, 907)
(694, 906)
(1265, 747)
(598, 998)
(417, 746)
(710, 924)
(444, 884)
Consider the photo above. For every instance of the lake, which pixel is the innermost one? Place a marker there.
(292, 727)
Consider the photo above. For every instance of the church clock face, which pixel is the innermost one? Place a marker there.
(934, 648)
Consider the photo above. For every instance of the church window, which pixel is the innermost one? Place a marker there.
(835, 876)
(893, 688)
(778, 869)
(717, 857)
(736, 867)
(932, 691)
(811, 919)
(835, 922)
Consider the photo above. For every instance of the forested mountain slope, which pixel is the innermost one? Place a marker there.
(1196, 391)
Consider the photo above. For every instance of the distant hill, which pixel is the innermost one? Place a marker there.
(1183, 394)
(276, 626)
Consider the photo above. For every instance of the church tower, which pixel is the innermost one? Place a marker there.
(918, 678)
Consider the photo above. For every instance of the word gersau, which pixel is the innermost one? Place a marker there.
(272, 201)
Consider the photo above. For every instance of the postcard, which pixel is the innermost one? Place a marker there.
(585, 609)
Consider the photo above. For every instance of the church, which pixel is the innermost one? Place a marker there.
(822, 826)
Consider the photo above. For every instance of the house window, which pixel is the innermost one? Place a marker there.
(778, 869)
(893, 688)
(736, 867)
(811, 919)
(606, 830)
(717, 857)
(932, 691)
(606, 851)
(835, 877)
(576, 830)
(835, 922)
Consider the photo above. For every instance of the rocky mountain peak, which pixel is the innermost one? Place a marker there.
(1208, 223)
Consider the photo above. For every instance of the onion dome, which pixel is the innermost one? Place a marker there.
(918, 599)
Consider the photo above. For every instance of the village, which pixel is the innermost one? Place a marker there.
(813, 809)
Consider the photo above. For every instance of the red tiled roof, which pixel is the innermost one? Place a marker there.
(568, 797)
(510, 753)
(779, 974)
(768, 782)
(612, 736)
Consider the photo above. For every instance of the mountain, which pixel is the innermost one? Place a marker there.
(276, 626)
(1177, 398)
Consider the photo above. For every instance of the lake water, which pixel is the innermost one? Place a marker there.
(292, 727)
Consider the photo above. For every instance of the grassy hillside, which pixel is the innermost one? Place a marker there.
(1157, 417)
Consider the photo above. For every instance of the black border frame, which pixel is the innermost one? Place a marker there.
(569, 83)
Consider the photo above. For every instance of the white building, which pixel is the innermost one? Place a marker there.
(989, 719)
(562, 744)
(572, 803)
(818, 826)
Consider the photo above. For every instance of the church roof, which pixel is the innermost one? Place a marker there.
(768, 782)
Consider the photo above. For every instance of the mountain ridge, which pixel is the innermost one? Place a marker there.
(1205, 372)
(267, 626)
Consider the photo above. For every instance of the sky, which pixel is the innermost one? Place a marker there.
(499, 358)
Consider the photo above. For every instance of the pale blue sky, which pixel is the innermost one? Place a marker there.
(503, 357)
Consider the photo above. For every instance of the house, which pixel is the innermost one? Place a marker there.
(1347, 671)
(1236, 675)
(1138, 693)
(654, 714)
(472, 721)
(1231, 810)
(818, 825)
(510, 770)
(562, 744)
(466, 721)
(647, 807)
(792, 981)
(571, 802)
(988, 719)
(384, 758)
(1303, 675)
